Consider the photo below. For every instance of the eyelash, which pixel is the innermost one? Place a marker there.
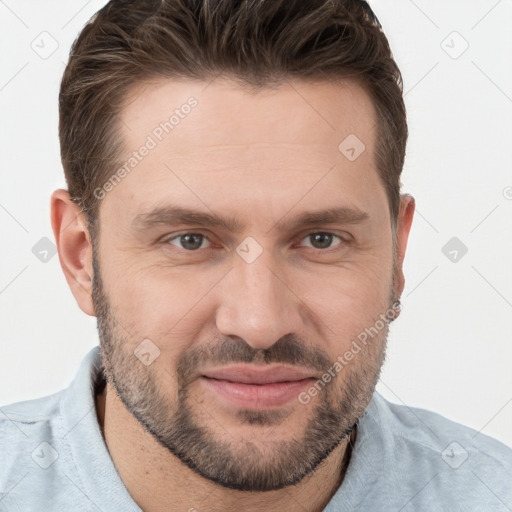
(343, 241)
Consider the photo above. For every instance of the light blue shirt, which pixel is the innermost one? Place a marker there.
(53, 458)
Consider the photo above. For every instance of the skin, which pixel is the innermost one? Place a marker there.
(261, 159)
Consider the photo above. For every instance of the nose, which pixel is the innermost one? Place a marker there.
(257, 302)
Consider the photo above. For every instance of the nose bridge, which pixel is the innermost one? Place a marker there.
(256, 303)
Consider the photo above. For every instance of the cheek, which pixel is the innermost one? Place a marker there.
(346, 302)
(163, 304)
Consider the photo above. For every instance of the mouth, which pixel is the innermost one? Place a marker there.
(255, 388)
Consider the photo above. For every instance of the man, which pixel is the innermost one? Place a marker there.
(234, 221)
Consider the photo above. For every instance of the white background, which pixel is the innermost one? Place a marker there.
(451, 349)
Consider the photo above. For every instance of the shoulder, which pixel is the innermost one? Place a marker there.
(21, 420)
(428, 431)
(52, 453)
(438, 461)
(24, 426)
(30, 442)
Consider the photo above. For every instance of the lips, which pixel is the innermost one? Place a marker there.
(258, 376)
(249, 387)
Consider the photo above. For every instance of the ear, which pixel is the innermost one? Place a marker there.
(404, 222)
(74, 246)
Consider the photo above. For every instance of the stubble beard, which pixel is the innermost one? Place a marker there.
(241, 464)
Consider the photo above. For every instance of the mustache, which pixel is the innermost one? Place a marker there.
(289, 349)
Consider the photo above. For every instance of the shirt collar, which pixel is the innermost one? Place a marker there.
(99, 480)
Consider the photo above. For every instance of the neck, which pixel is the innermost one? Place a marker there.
(155, 478)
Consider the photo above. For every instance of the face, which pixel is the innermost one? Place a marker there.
(245, 245)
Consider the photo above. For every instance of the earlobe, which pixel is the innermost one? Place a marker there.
(74, 247)
(404, 223)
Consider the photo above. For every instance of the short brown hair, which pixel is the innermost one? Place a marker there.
(257, 43)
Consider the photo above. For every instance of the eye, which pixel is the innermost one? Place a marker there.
(188, 241)
(322, 240)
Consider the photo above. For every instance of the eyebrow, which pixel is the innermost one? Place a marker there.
(174, 215)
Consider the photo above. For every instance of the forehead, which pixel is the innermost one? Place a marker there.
(296, 111)
(211, 140)
(235, 112)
